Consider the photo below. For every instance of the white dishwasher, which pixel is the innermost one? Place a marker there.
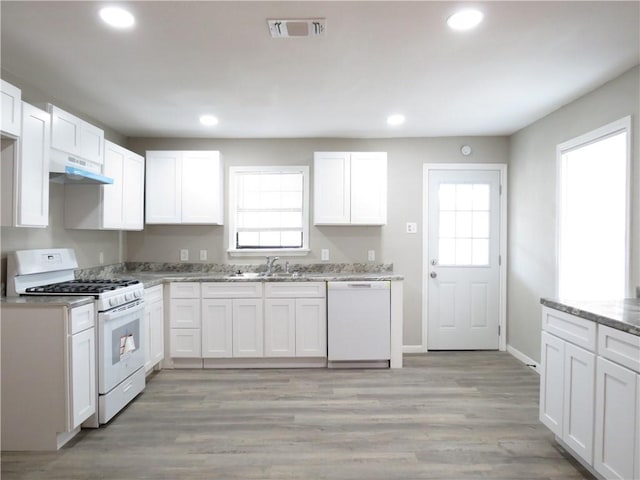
(359, 321)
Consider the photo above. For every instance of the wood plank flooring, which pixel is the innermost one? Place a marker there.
(446, 415)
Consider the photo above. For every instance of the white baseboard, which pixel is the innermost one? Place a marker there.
(412, 349)
(535, 366)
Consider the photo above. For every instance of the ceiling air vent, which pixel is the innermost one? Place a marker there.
(310, 27)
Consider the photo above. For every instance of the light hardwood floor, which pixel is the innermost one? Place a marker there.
(448, 415)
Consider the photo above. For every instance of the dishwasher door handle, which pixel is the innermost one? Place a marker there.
(358, 285)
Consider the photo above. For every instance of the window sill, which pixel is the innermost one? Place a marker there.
(247, 252)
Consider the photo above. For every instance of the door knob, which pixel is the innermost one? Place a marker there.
(433, 274)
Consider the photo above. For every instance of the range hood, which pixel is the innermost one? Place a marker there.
(64, 168)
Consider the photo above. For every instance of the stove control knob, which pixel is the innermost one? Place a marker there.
(112, 302)
(128, 296)
(137, 294)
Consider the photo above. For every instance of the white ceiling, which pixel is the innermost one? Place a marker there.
(183, 59)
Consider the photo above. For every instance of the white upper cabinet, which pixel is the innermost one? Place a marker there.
(184, 187)
(25, 171)
(76, 137)
(350, 188)
(11, 109)
(118, 206)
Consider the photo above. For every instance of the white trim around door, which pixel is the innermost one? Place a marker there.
(502, 169)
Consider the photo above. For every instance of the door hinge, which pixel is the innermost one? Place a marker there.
(500, 190)
(498, 330)
(499, 260)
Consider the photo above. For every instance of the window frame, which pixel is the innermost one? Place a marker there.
(233, 197)
(611, 129)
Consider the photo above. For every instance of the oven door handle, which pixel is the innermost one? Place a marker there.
(122, 310)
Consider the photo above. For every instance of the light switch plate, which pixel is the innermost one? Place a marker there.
(324, 254)
(203, 254)
(371, 255)
(412, 227)
(184, 255)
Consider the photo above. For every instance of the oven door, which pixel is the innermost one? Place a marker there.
(120, 347)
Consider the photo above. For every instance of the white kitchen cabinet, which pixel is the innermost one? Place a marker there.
(118, 206)
(295, 319)
(153, 327)
(75, 136)
(280, 327)
(184, 187)
(350, 188)
(567, 381)
(11, 105)
(217, 328)
(617, 444)
(248, 328)
(49, 388)
(184, 320)
(25, 172)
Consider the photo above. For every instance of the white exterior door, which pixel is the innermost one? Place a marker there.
(463, 274)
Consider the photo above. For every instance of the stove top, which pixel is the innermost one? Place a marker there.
(81, 287)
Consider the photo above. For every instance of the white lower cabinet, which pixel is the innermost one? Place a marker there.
(153, 327)
(567, 381)
(248, 320)
(590, 394)
(295, 319)
(48, 380)
(617, 445)
(184, 320)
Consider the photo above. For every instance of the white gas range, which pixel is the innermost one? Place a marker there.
(120, 308)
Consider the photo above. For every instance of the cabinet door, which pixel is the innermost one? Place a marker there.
(217, 328)
(552, 383)
(201, 188)
(369, 188)
(616, 411)
(184, 313)
(112, 205)
(331, 188)
(91, 143)
(146, 333)
(133, 192)
(65, 131)
(279, 327)
(311, 327)
(163, 188)
(248, 328)
(156, 332)
(11, 109)
(83, 376)
(579, 383)
(185, 343)
(32, 173)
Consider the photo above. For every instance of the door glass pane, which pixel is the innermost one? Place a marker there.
(464, 224)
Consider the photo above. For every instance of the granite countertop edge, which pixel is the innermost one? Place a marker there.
(47, 301)
(621, 314)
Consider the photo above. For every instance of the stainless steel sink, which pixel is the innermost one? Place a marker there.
(246, 275)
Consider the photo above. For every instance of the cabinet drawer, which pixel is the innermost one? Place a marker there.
(184, 290)
(153, 294)
(185, 343)
(184, 313)
(296, 290)
(82, 318)
(620, 347)
(569, 327)
(232, 290)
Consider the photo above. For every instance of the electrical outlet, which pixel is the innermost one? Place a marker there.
(371, 255)
(101, 258)
(203, 254)
(184, 255)
(324, 254)
(412, 227)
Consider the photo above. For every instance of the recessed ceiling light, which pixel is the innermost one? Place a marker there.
(208, 120)
(465, 19)
(395, 119)
(117, 17)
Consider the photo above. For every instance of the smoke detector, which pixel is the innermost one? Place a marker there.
(309, 27)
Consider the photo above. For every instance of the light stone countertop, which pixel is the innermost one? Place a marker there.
(47, 301)
(619, 314)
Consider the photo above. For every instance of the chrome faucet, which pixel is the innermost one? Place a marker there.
(270, 262)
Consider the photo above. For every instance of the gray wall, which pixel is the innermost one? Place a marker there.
(346, 244)
(532, 201)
